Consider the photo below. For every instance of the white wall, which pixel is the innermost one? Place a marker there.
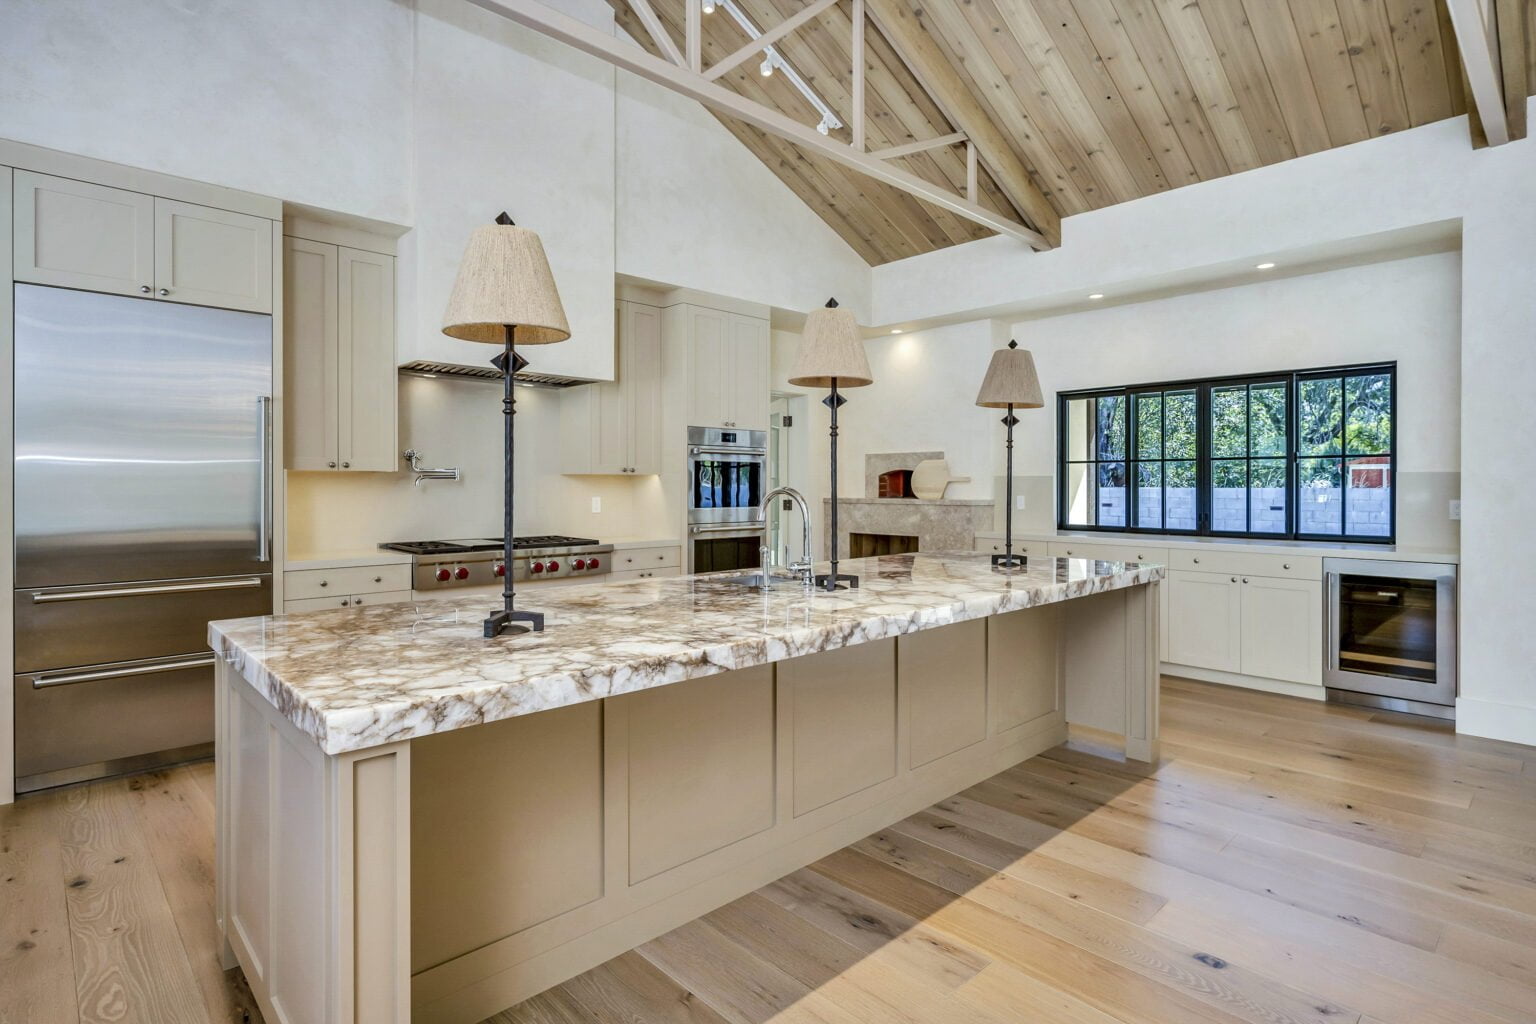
(1424, 176)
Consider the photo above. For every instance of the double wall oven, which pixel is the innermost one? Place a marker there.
(1390, 634)
(727, 477)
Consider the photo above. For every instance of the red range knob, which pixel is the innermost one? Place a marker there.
(443, 575)
(536, 567)
(501, 570)
(461, 573)
(554, 566)
(592, 563)
(579, 564)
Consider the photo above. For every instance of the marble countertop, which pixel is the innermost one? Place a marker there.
(1252, 545)
(358, 678)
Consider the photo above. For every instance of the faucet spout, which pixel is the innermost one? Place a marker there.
(805, 567)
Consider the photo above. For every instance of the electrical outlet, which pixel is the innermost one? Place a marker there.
(1455, 508)
(597, 504)
(1018, 503)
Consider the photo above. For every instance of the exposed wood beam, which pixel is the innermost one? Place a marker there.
(657, 31)
(634, 59)
(767, 39)
(1476, 38)
(856, 116)
(934, 72)
(1511, 16)
(890, 153)
(970, 170)
(694, 31)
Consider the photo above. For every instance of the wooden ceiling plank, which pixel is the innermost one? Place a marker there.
(1084, 94)
(1136, 95)
(1454, 85)
(1020, 109)
(768, 38)
(1196, 49)
(1368, 33)
(1249, 78)
(1332, 72)
(1153, 83)
(860, 61)
(1279, 45)
(1513, 15)
(1420, 60)
(927, 61)
(822, 55)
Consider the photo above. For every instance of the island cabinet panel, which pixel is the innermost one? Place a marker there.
(943, 676)
(250, 904)
(1023, 666)
(507, 828)
(842, 715)
(700, 766)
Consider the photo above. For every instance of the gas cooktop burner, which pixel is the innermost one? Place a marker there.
(455, 547)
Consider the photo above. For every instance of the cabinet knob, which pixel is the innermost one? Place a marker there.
(378, 579)
(165, 291)
(344, 602)
(346, 465)
(1197, 561)
(332, 465)
(1234, 579)
(1287, 565)
(357, 600)
(325, 583)
(146, 289)
(1245, 579)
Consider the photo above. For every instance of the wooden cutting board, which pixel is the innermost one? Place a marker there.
(930, 478)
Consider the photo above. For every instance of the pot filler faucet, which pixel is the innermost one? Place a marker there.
(803, 568)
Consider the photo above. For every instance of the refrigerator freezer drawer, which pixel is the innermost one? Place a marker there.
(69, 627)
(73, 725)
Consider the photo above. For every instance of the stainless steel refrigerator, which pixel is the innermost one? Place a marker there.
(143, 504)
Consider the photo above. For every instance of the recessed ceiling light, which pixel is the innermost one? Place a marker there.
(1096, 295)
(1264, 266)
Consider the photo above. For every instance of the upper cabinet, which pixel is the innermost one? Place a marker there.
(728, 357)
(74, 234)
(339, 357)
(615, 428)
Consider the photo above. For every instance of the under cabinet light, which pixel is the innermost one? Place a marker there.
(1264, 266)
(1096, 295)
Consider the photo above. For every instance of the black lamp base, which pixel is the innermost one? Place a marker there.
(1009, 563)
(511, 622)
(839, 581)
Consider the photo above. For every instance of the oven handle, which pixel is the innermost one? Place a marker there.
(41, 681)
(50, 597)
(702, 449)
(749, 528)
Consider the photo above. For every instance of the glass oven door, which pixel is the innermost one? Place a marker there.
(1391, 629)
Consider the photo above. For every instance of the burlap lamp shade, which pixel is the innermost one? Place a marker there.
(1011, 380)
(504, 279)
(830, 347)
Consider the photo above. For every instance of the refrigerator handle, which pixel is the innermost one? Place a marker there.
(264, 490)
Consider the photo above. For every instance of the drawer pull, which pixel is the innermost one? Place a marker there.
(1234, 579)
(325, 583)
(1197, 561)
(378, 579)
(1287, 565)
(1245, 579)
(39, 682)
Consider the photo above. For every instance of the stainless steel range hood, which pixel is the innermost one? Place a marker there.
(425, 368)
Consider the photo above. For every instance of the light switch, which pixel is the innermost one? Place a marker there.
(1018, 503)
(597, 504)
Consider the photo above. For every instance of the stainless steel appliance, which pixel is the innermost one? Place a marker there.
(1390, 634)
(143, 509)
(477, 561)
(727, 474)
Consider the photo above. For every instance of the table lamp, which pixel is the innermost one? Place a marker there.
(505, 295)
(1011, 383)
(832, 356)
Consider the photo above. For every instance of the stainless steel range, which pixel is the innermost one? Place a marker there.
(477, 561)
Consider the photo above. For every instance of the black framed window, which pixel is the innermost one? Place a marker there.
(1299, 454)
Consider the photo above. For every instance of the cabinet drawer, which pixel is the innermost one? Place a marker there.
(1296, 567)
(1109, 552)
(987, 545)
(643, 574)
(301, 584)
(321, 604)
(646, 558)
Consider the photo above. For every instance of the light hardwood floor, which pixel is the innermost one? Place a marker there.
(1288, 861)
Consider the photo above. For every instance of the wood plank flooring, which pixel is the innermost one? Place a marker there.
(1288, 861)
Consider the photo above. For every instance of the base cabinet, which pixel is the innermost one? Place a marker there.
(1204, 620)
(1262, 626)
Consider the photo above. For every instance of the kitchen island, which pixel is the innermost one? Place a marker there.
(417, 823)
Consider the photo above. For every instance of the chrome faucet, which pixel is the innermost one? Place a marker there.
(804, 568)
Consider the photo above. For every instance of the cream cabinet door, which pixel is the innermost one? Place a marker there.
(367, 374)
(1282, 626)
(749, 374)
(640, 366)
(1204, 620)
(709, 367)
(212, 257)
(77, 235)
(310, 354)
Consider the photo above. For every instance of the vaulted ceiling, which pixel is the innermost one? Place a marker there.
(1103, 101)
